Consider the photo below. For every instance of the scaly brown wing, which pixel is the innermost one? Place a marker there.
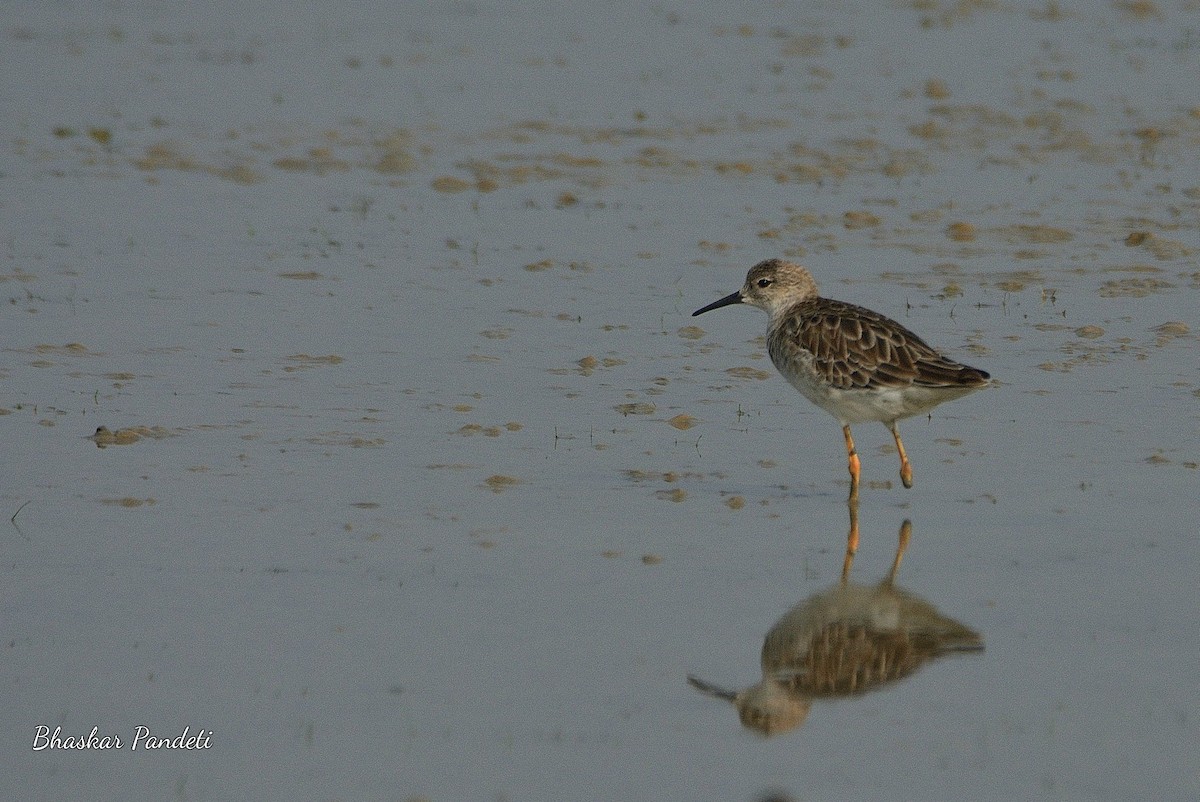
(853, 347)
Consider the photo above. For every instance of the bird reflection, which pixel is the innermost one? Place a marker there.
(844, 642)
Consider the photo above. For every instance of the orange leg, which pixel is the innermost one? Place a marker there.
(901, 547)
(905, 466)
(851, 539)
(855, 466)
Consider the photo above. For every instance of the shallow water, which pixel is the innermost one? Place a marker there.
(423, 482)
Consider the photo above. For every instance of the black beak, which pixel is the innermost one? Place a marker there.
(734, 298)
(710, 689)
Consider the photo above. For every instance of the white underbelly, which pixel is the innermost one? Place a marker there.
(862, 405)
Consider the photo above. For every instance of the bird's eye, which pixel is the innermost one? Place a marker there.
(764, 282)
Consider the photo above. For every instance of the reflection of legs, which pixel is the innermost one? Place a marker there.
(905, 536)
(851, 538)
(905, 467)
(854, 465)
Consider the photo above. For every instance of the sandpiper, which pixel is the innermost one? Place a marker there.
(855, 364)
(845, 642)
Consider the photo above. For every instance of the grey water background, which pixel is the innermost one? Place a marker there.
(439, 492)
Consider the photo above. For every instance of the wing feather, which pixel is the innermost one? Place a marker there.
(855, 348)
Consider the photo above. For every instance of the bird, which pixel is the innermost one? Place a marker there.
(852, 362)
(844, 642)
